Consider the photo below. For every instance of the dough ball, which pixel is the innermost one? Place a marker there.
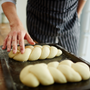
(53, 52)
(35, 54)
(45, 52)
(24, 56)
(29, 79)
(53, 64)
(66, 62)
(42, 73)
(59, 52)
(70, 74)
(57, 75)
(82, 70)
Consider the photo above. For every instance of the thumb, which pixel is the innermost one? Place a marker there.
(29, 39)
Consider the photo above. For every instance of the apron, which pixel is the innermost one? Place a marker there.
(54, 21)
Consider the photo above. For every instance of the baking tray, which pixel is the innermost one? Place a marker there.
(12, 68)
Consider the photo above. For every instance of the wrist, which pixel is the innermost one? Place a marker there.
(15, 23)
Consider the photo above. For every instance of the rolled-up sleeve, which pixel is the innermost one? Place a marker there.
(13, 1)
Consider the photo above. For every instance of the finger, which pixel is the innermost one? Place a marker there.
(5, 43)
(29, 39)
(9, 43)
(14, 43)
(21, 42)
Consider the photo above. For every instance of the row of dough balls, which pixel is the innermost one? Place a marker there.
(36, 52)
(47, 74)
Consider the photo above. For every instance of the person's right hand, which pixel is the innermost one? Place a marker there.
(15, 36)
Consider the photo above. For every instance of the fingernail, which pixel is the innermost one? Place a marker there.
(14, 51)
(22, 51)
(8, 49)
(33, 42)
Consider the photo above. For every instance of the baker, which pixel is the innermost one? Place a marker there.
(48, 21)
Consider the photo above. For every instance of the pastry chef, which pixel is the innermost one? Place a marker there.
(48, 21)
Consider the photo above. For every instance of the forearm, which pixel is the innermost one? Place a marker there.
(10, 12)
(81, 4)
(17, 33)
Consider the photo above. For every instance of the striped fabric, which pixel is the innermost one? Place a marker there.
(54, 21)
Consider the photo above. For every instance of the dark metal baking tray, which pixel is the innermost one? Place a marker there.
(12, 68)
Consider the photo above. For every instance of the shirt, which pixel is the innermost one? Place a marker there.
(13, 1)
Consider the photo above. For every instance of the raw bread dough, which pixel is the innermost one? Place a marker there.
(48, 74)
(36, 52)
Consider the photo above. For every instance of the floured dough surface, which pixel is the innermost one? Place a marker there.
(36, 52)
(59, 72)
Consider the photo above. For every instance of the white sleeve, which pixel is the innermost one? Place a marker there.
(13, 1)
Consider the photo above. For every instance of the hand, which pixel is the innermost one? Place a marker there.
(17, 34)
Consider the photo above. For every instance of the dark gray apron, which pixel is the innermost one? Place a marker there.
(54, 21)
